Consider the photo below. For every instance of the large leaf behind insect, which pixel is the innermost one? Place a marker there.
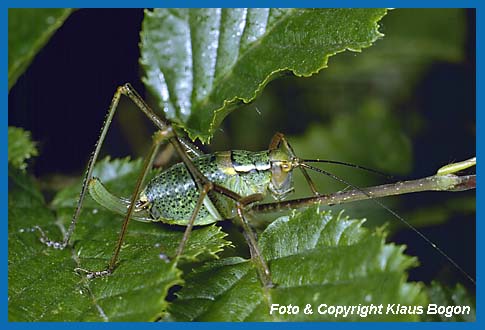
(202, 63)
(42, 283)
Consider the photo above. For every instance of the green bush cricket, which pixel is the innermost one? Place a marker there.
(206, 188)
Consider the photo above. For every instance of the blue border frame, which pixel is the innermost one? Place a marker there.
(301, 3)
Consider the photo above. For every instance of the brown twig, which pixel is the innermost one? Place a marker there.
(448, 182)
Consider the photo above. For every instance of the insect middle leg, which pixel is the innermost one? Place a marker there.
(241, 203)
(261, 265)
(158, 138)
(205, 187)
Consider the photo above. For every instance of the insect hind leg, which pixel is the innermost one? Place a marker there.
(121, 90)
(256, 255)
(165, 133)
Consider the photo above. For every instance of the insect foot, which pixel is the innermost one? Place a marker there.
(90, 274)
(45, 240)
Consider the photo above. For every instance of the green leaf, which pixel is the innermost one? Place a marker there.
(335, 140)
(29, 29)
(449, 299)
(315, 258)
(42, 283)
(201, 64)
(20, 147)
(391, 69)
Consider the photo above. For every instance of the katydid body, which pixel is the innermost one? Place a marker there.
(188, 186)
(203, 188)
(172, 195)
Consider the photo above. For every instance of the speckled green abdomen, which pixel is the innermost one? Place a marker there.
(172, 195)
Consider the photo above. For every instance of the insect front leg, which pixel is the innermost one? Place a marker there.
(276, 141)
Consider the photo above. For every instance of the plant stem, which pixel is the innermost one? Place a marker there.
(448, 182)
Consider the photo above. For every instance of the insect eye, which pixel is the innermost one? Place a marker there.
(285, 167)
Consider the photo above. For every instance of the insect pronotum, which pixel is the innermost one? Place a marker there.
(212, 187)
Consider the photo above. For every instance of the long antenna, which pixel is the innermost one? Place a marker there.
(427, 240)
(347, 164)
